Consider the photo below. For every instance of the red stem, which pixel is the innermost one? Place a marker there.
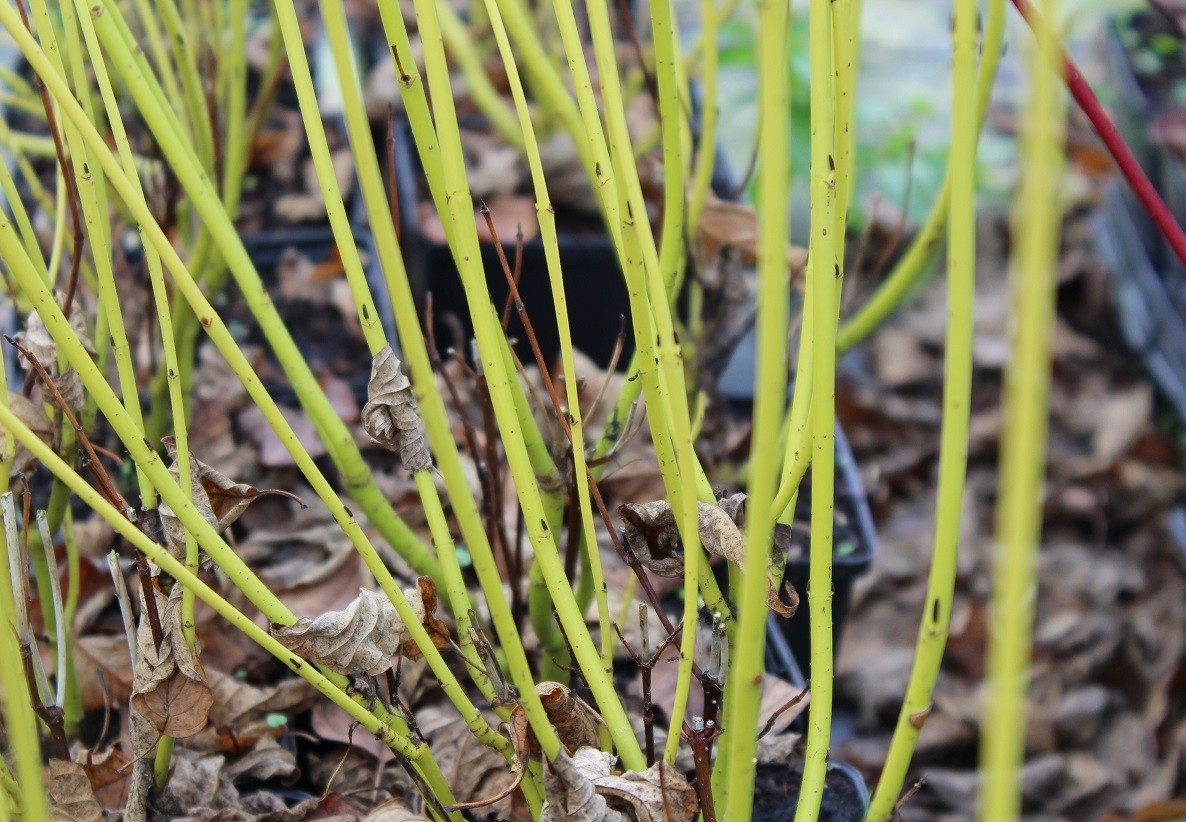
(1121, 155)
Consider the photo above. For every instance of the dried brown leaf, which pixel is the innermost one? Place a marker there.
(219, 499)
(651, 532)
(391, 415)
(392, 811)
(727, 224)
(570, 790)
(169, 687)
(363, 637)
(658, 794)
(575, 722)
(584, 788)
(33, 415)
(424, 602)
(109, 780)
(266, 760)
(71, 797)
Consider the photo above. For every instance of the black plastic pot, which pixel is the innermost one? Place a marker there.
(594, 287)
(1149, 319)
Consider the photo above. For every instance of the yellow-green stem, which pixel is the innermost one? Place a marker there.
(19, 722)
(336, 436)
(392, 731)
(432, 406)
(747, 658)
(1037, 217)
(491, 344)
(826, 269)
(290, 28)
(914, 262)
(957, 395)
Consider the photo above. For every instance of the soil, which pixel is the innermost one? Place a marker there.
(776, 795)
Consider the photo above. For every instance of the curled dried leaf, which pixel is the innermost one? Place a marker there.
(366, 634)
(391, 415)
(570, 790)
(169, 688)
(575, 722)
(583, 787)
(424, 602)
(652, 534)
(658, 794)
(219, 499)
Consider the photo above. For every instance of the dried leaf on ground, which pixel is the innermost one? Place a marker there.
(584, 789)
(169, 688)
(107, 773)
(392, 810)
(364, 636)
(239, 713)
(37, 339)
(266, 760)
(71, 797)
(391, 415)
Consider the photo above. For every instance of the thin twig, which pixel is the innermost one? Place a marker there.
(786, 706)
(51, 715)
(106, 486)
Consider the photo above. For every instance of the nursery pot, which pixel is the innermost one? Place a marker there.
(854, 541)
(598, 302)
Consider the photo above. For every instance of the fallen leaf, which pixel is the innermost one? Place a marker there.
(272, 453)
(169, 687)
(107, 774)
(392, 811)
(238, 715)
(391, 416)
(364, 636)
(266, 760)
(106, 655)
(575, 722)
(651, 533)
(40, 343)
(71, 797)
(658, 794)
